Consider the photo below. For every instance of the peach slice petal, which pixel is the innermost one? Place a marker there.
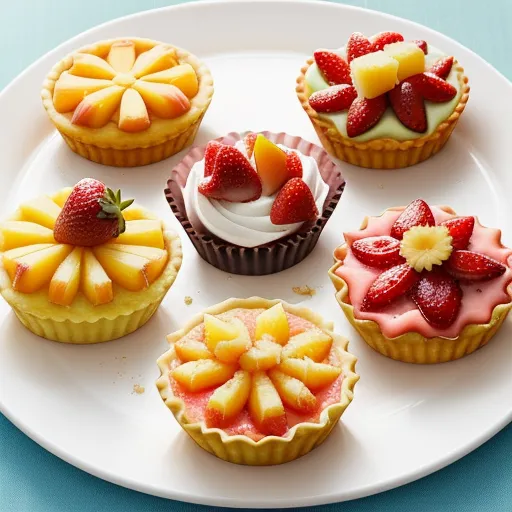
(313, 344)
(62, 195)
(147, 232)
(191, 350)
(271, 165)
(95, 283)
(163, 100)
(183, 77)
(265, 354)
(160, 57)
(91, 66)
(97, 109)
(122, 56)
(19, 233)
(314, 375)
(274, 323)
(66, 280)
(133, 116)
(216, 330)
(293, 392)
(40, 210)
(202, 374)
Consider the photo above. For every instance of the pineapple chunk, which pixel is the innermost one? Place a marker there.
(229, 351)
(265, 354)
(273, 322)
(66, 280)
(202, 374)
(216, 330)
(41, 210)
(374, 74)
(313, 344)
(228, 400)
(62, 195)
(18, 233)
(191, 350)
(142, 232)
(293, 392)
(314, 375)
(410, 57)
(96, 285)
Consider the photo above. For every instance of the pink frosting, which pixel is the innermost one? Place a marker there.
(479, 299)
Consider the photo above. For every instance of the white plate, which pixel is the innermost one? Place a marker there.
(405, 422)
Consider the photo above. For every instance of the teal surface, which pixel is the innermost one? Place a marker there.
(33, 480)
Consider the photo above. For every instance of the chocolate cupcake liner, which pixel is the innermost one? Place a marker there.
(265, 259)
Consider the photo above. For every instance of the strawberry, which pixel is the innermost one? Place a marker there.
(210, 156)
(442, 67)
(408, 106)
(334, 68)
(438, 298)
(233, 178)
(363, 114)
(357, 46)
(249, 141)
(417, 213)
(377, 251)
(432, 88)
(333, 99)
(91, 215)
(294, 203)
(461, 229)
(385, 38)
(422, 45)
(293, 165)
(390, 285)
(472, 266)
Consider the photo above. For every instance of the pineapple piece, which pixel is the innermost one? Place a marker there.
(410, 57)
(271, 164)
(66, 280)
(202, 374)
(216, 330)
(191, 350)
(18, 233)
(293, 392)
(273, 322)
(142, 232)
(228, 400)
(313, 344)
(265, 354)
(314, 375)
(62, 195)
(41, 210)
(229, 351)
(183, 77)
(95, 285)
(374, 74)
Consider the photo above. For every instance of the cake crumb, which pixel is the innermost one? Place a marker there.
(304, 290)
(188, 300)
(137, 388)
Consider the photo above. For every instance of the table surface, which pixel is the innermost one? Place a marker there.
(33, 480)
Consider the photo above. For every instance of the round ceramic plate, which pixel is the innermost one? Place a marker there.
(405, 422)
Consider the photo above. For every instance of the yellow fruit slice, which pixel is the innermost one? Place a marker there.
(137, 212)
(191, 350)
(271, 165)
(163, 100)
(374, 74)
(160, 57)
(410, 57)
(293, 392)
(14, 254)
(229, 351)
(274, 323)
(142, 232)
(183, 77)
(66, 280)
(95, 284)
(313, 344)
(97, 109)
(62, 196)
(18, 233)
(202, 374)
(41, 210)
(216, 330)
(133, 116)
(314, 375)
(122, 56)
(265, 354)
(91, 66)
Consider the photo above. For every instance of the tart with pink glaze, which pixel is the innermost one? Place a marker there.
(423, 285)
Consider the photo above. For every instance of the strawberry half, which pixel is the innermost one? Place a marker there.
(333, 67)
(233, 178)
(438, 298)
(460, 230)
(210, 156)
(294, 203)
(432, 88)
(442, 67)
(422, 45)
(389, 286)
(364, 114)
(385, 38)
(417, 213)
(377, 251)
(357, 46)
(333, 99)
(473, 266)
(293, 165)
(249, 141)
(92, 215)
(408, 106)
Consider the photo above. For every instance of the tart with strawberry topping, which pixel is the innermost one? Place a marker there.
(255, 203)
(129, 101)
(383, 102)
(85, 266)
(423, 285)
(257, 382)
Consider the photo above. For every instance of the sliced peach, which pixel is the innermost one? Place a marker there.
(229, 351)
(216, 330)
(314, 375)
(133, 116)
(95, 284)
(274, 323)
(271, 165)
(313, 344)
(191, 350)
(142, 232)
(97, 109)
(122, 56)
(18, 233)
(66, 280)
(163, 100)
(91, 66)
(62, 195)
(160, 57)
(228, 400)
(293, 392)
(41, 210)
(265, 354)
(202, 374)
(16, 253)
(183, 77)
(265, 406)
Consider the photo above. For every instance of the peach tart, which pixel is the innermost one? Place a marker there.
(423, 285)
(84, 266)
(256, 381)
(128, 101)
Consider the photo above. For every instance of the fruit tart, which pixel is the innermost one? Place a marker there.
(383, 102)
(128, 101)
(257, 381)
(84, 266)
(255, 203)
(423, 285)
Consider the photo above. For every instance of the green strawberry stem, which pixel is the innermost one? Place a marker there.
(112, 207)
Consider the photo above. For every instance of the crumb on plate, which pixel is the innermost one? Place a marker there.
(137, 388)
(304, 290)
(188, 300)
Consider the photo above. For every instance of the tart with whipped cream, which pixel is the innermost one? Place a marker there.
(257, 381)
(423, 285)
(128, 101)
(255, 204)
(383, 102)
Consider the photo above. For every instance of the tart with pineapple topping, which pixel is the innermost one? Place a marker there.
(423, 285)
(383, 102)
(84, 266)
(129, 101)
(256, 381)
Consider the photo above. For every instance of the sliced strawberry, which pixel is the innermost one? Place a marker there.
(385, 38)
(432, 88)
(293, 165)
(377, 251)
(334, 68)
(333, 99)
(357, 46)
(390, 285)
(417, 213)
(422, 45)
(409, 106)
(210, 156)
(233, 178)
(438, 297)
(364, 114)
(442, 67)
(294, 203)
(249, 141)
(473, 266)
(461, 229)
